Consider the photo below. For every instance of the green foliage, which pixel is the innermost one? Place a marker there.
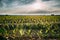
(43, 26)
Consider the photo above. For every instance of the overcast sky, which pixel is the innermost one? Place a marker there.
(29, 6)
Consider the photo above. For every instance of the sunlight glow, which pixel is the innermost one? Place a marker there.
(38, 5)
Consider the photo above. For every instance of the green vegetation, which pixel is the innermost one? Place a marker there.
(30, 26)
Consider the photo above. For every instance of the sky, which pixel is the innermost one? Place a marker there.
(29, 6)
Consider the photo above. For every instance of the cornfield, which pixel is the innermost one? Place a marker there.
(29, 27)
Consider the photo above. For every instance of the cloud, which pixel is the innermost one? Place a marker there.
(19, 2)
(27, 6)
(52, 3)
(45, 0)
(14, 3)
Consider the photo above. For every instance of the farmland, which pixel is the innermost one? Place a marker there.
(29, 27)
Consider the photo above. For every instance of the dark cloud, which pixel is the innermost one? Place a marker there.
(45, 0)
(9, 3)
(5, 3)
(26, 1)
(14, 3)
(52, 3)
(58, 4)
